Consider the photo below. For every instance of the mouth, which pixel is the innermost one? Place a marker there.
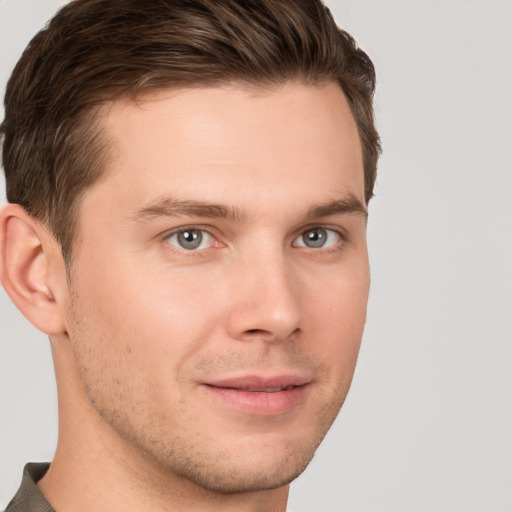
(274, 389)
(260, 396)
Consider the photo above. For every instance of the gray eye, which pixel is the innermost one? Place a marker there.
(318, 238)
(315, 238)
(189, 239)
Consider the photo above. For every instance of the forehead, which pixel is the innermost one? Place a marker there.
(233, 142)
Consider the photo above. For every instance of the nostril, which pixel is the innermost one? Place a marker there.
(267, 335)
(257, 332)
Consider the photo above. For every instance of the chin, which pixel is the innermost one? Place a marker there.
(245, 477)
(258, 463)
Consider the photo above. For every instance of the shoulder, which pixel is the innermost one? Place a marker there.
(29, 498)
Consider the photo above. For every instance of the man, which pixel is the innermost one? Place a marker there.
(188, 186)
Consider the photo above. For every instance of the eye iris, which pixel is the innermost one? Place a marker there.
(190, 239)
(315, 237)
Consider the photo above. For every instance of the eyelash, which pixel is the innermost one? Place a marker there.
(184, 229)
(337, 246)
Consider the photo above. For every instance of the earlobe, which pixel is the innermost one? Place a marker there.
(25, 253)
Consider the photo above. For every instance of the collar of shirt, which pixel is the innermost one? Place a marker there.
(29, 498)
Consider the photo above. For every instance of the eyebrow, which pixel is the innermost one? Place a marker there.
(348, 204)
(169, 207)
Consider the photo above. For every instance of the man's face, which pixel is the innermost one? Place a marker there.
(218, 294)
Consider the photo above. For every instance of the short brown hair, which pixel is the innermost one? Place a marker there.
(95, 51)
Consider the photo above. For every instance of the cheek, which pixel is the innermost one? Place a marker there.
(338, 317)
(152, 319)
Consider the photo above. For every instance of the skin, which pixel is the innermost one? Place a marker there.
(143, 330)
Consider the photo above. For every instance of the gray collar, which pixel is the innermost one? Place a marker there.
(29, 498)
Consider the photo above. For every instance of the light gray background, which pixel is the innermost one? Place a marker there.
(427, 425)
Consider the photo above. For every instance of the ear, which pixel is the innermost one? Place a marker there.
(29, 255)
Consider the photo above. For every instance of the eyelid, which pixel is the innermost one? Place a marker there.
(180, 229)
(339, 231)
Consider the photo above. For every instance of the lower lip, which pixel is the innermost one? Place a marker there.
(259, 402)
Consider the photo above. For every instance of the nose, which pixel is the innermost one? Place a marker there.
(266, 303)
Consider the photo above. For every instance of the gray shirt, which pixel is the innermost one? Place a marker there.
(29, 498)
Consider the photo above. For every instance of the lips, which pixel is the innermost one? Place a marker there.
(267, 389)
(258, 395)
(260, 383)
